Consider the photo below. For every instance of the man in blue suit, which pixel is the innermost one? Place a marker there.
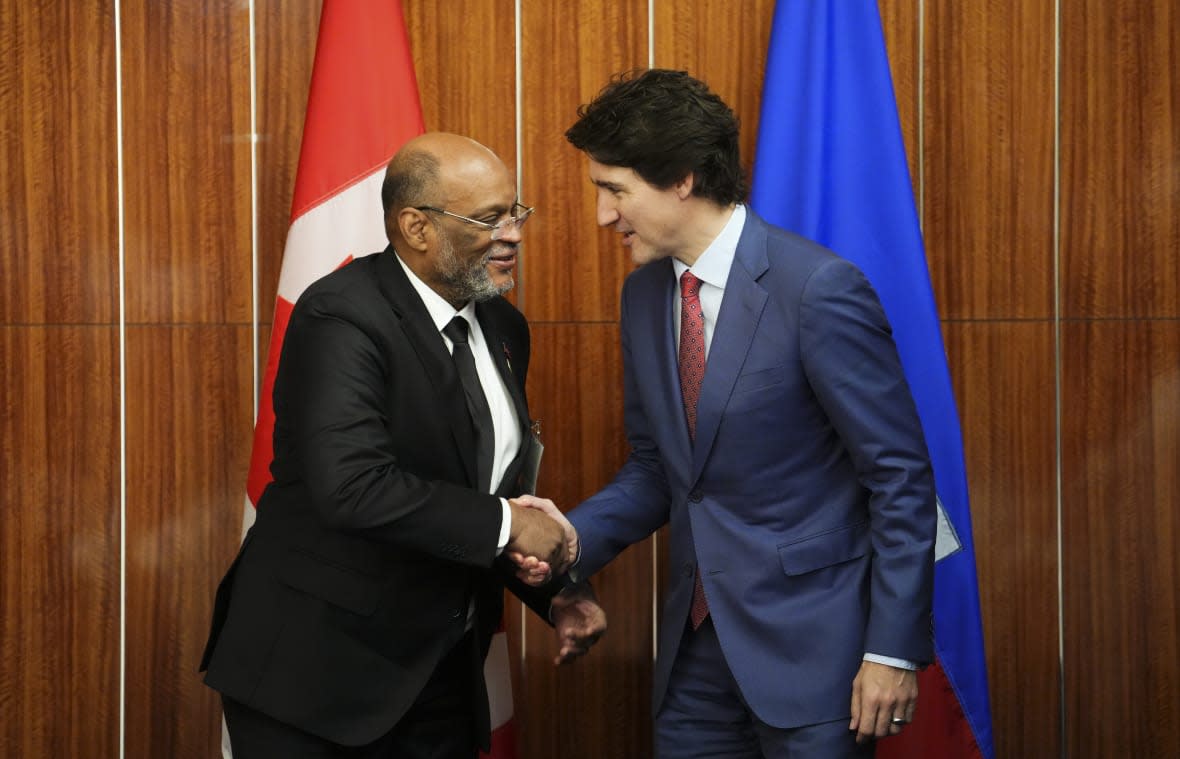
(772, 428)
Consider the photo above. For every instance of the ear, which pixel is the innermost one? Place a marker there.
(683, 186)
(414, 227)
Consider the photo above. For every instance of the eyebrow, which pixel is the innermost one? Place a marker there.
(604, 184)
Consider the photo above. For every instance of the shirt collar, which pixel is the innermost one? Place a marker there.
(712, 267)
(440, 311)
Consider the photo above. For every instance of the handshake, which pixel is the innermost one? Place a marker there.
(541, 542)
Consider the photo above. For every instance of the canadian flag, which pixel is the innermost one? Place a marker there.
(362, 106)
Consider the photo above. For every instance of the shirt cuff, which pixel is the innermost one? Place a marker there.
(505, 526)
(891, 661)
(573, 573)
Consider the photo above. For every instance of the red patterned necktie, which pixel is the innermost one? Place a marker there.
(692, 347)
(692, 371)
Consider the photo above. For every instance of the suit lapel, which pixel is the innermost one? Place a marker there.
(432, 353)
(498, 347)
(741, 310)
(653, 350)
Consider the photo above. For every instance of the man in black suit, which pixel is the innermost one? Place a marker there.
(356, 616)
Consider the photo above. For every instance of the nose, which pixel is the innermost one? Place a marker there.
(511, 234)
(606, 211)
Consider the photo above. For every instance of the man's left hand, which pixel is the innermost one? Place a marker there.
(578, 620)
(881, 693)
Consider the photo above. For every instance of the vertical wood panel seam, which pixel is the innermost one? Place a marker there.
(921, 84)
(1057, 458)
(121, 214)
(519, 84)
(520, 286)
(651, 34)
(254, 373)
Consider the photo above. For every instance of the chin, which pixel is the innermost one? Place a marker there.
(641, 256)
(502, 282)
(494, 287)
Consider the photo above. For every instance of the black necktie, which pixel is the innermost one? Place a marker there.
(477, 402)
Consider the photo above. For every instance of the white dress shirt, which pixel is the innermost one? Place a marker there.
(506, 427)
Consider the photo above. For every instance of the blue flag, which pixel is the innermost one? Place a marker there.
(831, 166)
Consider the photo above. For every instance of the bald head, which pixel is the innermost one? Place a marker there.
(431, 169)
(442, 195)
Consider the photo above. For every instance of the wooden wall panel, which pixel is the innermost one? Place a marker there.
(571, 275)
(465, 60)
(601, 703)
(1120, 488)
(899, 22)
(58, 220)
(724, 48)
(59, 541)
(1000, 371)
(59, 362)
(188, 221)
(186, 115)
(987, 74)
(571, 272)
(1120, 162)
(188, 444)
(989, 158)
(285, 38)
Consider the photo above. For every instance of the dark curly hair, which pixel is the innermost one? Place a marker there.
(664, 125)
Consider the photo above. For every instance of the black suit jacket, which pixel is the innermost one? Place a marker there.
(373, 539)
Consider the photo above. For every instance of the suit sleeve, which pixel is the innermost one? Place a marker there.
(853, 367)
(636, 502)
(332, 435)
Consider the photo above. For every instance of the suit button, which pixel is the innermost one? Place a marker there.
(688, 570)
(456, 614)
(695, 496)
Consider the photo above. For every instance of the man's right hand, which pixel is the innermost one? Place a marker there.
(534, 533)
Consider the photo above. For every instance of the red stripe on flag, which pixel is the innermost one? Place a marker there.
(262, 452)
(363, 103)
(939, 730)
(362, 106)
(503, 742)
(264, 427)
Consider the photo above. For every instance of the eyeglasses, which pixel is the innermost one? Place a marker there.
(518, 215)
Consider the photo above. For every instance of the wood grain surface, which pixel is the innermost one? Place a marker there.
(988, 124)
(1044, 150)
(1120, 138)
(59, 248)
(1001, 369)
(186, 121)
(59, 541)
(1120, 529)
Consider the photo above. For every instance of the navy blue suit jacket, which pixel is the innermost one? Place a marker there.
(807, 502)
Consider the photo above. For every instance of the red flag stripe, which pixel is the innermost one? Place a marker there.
(363, 103)
(939, 729)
